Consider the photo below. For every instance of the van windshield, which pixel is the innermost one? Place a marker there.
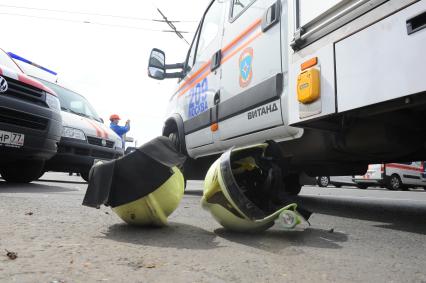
(73, 102)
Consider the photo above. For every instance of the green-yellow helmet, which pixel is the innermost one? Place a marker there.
(154, 208)
(231, 199)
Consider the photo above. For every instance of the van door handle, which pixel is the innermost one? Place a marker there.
(216, 60)
(216, 98)
(416, 23)
(272, 16)
(214, 112)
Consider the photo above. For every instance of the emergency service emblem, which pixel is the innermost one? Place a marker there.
(3, 85)
(246, 70)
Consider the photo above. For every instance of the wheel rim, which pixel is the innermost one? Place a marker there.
(324, 181)
(395, 184)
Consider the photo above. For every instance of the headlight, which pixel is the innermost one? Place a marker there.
(53, 102)
(118, 145)
(72, 133)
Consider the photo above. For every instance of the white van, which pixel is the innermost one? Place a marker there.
(85, 138)
(337, 181)
(337, 85)
(393, 176)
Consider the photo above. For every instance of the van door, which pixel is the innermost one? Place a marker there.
(252, 79)
(414, 175)
(410, 173)
(202, 81)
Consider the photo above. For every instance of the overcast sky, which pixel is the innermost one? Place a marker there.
(105, 63)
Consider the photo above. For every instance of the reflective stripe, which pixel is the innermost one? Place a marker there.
(104, 131)
(24, 79)
(230, 50)
(9, 73)
(404, 167)
(98, 131)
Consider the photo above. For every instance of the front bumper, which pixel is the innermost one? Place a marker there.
(41, 126)
(76, 156)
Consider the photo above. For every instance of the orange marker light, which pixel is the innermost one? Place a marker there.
(310, 63)
(214, 127)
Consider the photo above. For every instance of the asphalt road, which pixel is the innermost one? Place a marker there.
(355, 236)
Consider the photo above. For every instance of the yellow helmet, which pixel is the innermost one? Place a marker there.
(143, 187)
(154, 208)
(233, 190)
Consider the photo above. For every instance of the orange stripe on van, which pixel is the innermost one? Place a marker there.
(99, 131)
(199, 76)
(405, 167)
(186, 82)
(244, 33)
(232, 54)
(103, 130)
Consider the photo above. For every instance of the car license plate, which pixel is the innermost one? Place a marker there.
(11, 139)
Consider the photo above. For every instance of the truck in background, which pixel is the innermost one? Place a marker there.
(30, 123)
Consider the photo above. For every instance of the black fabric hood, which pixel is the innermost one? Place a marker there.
(133, 176)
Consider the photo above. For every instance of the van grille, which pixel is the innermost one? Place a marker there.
(102, 154)
(26, 92)
(87, 152)
(98, 142)
(22, 119)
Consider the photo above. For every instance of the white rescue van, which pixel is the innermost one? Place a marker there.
(85, 138)
(393, 176)
(337, 84)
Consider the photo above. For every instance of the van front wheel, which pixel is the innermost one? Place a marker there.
(22, 171)
(174, 137)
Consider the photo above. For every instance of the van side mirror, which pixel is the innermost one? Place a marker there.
(157, 66)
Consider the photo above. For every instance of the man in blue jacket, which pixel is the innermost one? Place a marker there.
(119, 130)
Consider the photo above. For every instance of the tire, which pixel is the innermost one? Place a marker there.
(394, 183)
(24, 171)
(292, 185)
(323, 181)
(174, 137)
(41, 174)
(362, 186)
(85, 176)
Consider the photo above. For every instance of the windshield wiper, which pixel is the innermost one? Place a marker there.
(81, 114)
(75, 112)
